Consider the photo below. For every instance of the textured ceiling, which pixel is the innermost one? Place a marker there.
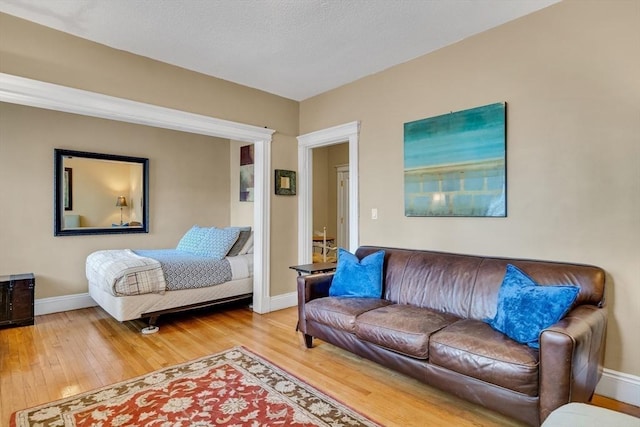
(292, 48)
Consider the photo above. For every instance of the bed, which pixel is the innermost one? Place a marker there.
(206, 268)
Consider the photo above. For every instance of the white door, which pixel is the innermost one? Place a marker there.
(343, 206)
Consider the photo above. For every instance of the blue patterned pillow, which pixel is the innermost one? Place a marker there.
(208, 242)
(191, 240)
(358, 278)
(217, 242)
(526, 308)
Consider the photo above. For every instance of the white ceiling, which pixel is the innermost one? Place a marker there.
(292, 48)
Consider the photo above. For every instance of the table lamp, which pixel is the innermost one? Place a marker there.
(121, 202)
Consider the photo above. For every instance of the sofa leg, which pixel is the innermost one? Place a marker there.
(308, 341)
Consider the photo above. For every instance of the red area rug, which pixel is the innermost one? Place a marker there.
(232, 388)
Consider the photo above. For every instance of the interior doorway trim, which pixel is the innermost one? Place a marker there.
(342, 208)
(35, 93)
(348, 132)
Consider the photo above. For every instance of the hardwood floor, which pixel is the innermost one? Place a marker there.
(67, 353)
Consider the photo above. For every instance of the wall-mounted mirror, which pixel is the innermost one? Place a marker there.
(100, 193)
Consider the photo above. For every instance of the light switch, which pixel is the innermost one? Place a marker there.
(374, 213)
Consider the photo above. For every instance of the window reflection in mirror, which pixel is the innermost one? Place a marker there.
(100, 193)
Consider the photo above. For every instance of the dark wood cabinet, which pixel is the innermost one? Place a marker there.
(16, 299)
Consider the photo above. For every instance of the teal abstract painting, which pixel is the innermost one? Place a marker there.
(455, 164)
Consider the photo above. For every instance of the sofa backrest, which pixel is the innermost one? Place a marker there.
(468, 285)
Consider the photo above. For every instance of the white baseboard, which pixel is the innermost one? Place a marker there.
(77, 301)
(63, 303)
(619, 386)
(615, 385)
(284, 301)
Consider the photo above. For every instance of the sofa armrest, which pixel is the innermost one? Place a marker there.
(309, 288)
(315, 285)
(571, 356)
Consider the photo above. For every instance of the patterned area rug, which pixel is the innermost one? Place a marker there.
(232, 388)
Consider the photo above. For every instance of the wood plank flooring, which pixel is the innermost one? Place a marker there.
(71, 352)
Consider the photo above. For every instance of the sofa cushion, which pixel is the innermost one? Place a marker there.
(473, 348)
(358, 278)
(340, 312)
(525, 308)
(402, 328)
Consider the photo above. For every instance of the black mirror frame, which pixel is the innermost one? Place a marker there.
(58, 176)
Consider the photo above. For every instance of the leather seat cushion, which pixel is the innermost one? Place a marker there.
(402, 328)
(473, 348)
(341, 312)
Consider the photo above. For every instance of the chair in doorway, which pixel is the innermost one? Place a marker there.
(324, 248)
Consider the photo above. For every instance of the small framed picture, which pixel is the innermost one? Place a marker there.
(285, 182)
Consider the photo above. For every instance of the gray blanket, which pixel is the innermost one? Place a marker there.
(186, 271)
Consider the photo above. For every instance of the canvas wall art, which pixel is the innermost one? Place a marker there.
(246, 173)
(455, 164)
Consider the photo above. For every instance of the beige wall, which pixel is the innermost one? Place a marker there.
(37, 52)
(284, 221)
(241, 212)
(570, 75)
(338, 156)
(320, 189)
(136, 191)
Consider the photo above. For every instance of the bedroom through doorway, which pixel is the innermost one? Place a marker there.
(39, 94)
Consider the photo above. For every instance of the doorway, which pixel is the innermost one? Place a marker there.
(348, 133)
(24, 91)
(330, 192)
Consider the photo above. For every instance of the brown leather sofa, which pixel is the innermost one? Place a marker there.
(429, 325)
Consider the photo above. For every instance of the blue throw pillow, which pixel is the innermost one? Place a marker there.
(526, 308)
(358, 278)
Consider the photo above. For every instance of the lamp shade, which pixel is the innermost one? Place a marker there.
(122, 201)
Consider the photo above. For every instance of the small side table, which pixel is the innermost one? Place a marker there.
(316, 267)
(17, 299)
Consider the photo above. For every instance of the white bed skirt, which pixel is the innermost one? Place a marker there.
(133, 307)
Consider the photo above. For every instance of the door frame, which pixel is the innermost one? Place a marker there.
(35, 93)
(341, 171)
(348, 132)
